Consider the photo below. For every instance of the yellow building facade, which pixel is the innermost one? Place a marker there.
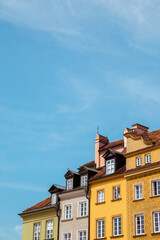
(40, 222)
(143, 185)
(137, 209)
(110, 208)
(36, 219)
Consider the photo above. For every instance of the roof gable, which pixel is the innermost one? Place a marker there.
(111, 153)
(83, 170)
(56, 188)
(70, 174)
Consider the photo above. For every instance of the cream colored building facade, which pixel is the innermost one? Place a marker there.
(76, 223)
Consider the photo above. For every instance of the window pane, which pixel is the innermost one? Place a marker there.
(139, 224)
(101, 196)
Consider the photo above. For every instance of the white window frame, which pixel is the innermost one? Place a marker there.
(148, 158)
(84, 180)
(110, 166)
(158, 222)
(84, 235)
(141, 225)
(116, 192)
(68, 237)
(83, 209)
(100, 196)
(49, 229)
(69, 184)
(117, 226)
(53, 198)
(157, 185)
(138, 161)
(138, 192)
(67, 211)
(37, 230)
(101, 233)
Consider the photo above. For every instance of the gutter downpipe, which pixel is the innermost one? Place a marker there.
(57, 208)
(88, 197)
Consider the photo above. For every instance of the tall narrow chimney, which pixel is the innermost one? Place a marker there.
(100, 141)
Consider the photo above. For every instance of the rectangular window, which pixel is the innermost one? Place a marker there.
(49, 230)
(156, 219)
(117, 225)
(67, 236)
(82, 235)
(110, 166)
(156, 188)
(83, 209)
(37, 231)
(139, 161)
(100, 196)
(54, 198)
(100, 229)
(116, 192)
(84, 181)
(148, 158)
(138, 193)
(69, 184)
(68, 211)
(139, 224)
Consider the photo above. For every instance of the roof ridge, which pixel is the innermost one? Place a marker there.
(27, 209)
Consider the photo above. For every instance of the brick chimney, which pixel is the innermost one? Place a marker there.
(100, 141)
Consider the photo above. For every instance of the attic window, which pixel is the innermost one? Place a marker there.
(83, 180)
(110, 166)
(54, 198)
(69, 184)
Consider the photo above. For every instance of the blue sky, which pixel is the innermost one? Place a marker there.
(66, 67)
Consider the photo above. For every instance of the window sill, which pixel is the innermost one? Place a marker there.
(82, 217)
(100, 238)
(98, 204)
(140, 235)
(114, 200)
(135, 200)
(48, 239)
(66, 220)
(118, 236)
(155, 233)
(155, 196)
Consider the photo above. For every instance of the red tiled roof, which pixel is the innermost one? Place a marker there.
(103, 171)
(143, 167)
(112, 144)
(88, 164)
(155, 135)
(39, 205)
(147, 136)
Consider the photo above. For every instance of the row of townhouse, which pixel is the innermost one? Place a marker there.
(115, 196)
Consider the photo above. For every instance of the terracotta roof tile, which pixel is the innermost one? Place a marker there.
(143, 167)
(103, 171)
(88, 164)
(112, 144)
(39, 205)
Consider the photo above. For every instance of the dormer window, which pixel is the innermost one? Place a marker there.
(83, 180)
(54, 198)
(69, 184)
(110, 168)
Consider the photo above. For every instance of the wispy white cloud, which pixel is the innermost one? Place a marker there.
(84, 94)
(71, 19)
(21, 187)
(3, 232)
(143, 89)
(18, 229)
